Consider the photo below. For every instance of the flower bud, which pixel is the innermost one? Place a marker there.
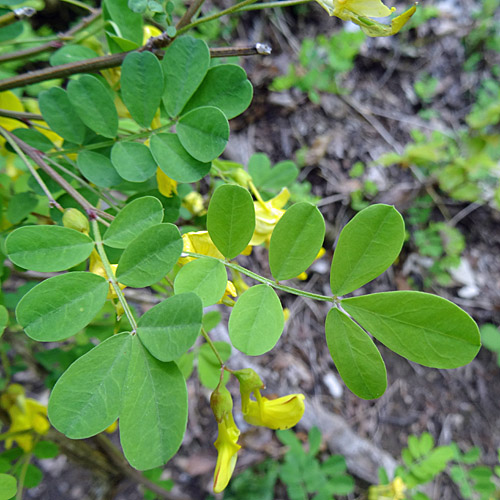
(221, 403)
(74, 219)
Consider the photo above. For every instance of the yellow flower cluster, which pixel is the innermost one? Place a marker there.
(27, 416)
(395, 490)
(281, 413)
(360, 12)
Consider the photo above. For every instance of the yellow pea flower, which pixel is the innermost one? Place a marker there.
(227, 439)
(10, 102)
(193, 202)
(26, 415)
(360, 12)
(97, 267)
(112, 428)
(395, 490)
(281, 413)
(199, 242)
(166, 185)
(267, 215)
(149, 31)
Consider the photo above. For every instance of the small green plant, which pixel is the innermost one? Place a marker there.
(301, 471)
(423, 462)
(322, 62)
(426, 87)
(475, 481)
(362, 196)
(490, 338)
(444, 245)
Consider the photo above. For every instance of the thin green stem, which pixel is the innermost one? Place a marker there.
(111, 142)
(266, 281)
(80, 4)
(34, 173)
(22, 476)
(206, 19)
(109, 199)
(111, 276)
(6, 368)
(212, 346)
(270, 5)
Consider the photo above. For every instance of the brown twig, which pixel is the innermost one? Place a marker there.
(53, 45)
(112, 61)
(38, 157)
(190, 12)
(19, 115)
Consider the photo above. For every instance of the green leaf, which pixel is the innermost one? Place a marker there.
(209, 366)
(367, 246)
(98, 169)
(296, 241)
(153, 417)
(256, 322)
(61, 306)
(88, 396)
(8, 486)
(134, 218)
(71, 53)
(207, 278)
(211, 319)
(150, 256)
(129, 23)
(56, 107)
(94, 105)
(47, 248)
(314, 439)
(133, 161)
(46, 449)
(186, 364)
(204, 133)
(231, 219)
(171, 327)
(33, 476)
(142, 86)
(265, 177)
(34, 138)
(4, 319)
(355, 355)
(20, 206)
(426, 443)
(490, 337)
(175, 161)
(422, 327)
(226, 87)
(185, 65)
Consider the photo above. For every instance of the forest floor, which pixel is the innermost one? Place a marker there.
(375, 116)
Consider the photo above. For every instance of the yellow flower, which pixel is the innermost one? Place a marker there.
(281, 413)
(97, 267)
(392, 491)
(166, 185)
(193, 202)
(10, 102)
(267, 215)
(199, 242)
(360, 12)
(112, 428)
(26, 415)
(227, 439)
(149, 31)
